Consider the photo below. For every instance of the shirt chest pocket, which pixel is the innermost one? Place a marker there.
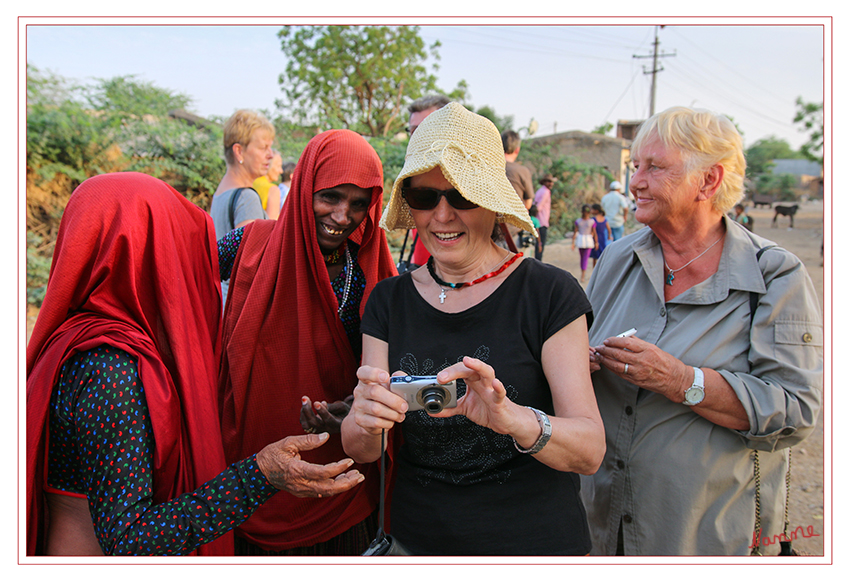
(798, 339)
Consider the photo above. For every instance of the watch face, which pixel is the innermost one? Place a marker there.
(694, 395)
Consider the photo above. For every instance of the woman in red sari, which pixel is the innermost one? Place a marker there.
(292, 333)
(124, 454)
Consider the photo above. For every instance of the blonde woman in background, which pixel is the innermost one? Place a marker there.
(248, 138)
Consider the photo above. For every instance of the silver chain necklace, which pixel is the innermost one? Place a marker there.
(670, 276)
(348, 277)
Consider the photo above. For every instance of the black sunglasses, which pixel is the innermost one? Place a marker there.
(428, 198)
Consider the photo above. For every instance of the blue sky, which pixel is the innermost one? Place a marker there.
(566, 77)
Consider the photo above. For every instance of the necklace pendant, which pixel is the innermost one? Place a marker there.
(442, 295)
(670, 278)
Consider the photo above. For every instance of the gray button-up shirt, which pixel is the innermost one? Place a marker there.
(680, 484)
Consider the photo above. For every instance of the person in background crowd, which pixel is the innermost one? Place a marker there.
(603, 231)
(518, 175)
(584, 237)
(742, 218)
(285, 181)
(616, 209)
(543, 201)
(266, 187)
(470, 477)
(291, 338)
(419, 110)
(124, 453)
(725, 371)
(248, 138)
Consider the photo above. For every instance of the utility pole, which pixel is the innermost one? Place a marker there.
(655, 69)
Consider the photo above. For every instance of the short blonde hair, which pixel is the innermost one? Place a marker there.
(240, 128)
(705, 139)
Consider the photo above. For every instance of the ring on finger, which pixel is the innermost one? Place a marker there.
(626, 370)
(310, 430)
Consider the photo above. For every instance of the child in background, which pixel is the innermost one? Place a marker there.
(603, 231)
(584, 236)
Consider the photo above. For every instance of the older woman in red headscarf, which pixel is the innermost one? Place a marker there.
(292, 330)
(124, 453)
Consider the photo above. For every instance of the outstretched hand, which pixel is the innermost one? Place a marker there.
(317, 417)
(282, 465)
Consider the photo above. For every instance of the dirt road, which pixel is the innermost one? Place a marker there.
(804, 240)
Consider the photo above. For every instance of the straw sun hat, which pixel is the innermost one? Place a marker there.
(468, 149)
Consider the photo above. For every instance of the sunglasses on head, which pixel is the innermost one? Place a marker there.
(428, 198)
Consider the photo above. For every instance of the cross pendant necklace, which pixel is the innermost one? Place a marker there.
(442, 295)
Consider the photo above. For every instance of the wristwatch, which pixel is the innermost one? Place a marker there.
(545, 433)
(696, 392)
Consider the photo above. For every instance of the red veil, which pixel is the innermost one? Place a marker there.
(135, 267)
(283, 338)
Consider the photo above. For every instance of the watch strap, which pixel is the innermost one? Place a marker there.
(698, 386)
(545, 433)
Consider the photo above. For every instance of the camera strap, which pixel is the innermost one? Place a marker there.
(383, 486)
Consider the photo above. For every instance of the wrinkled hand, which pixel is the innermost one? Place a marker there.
(375, 407)
(282, 465)
(648, 366)
(323, 417)
(594, 364)
(485, 402)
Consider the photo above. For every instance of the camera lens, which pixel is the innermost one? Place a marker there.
(433, 398)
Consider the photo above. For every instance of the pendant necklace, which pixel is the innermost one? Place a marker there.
(670, 276)
(458, 285)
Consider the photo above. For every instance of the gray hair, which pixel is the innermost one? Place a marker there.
(428, 102)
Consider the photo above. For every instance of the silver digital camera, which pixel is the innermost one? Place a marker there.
(424, 393)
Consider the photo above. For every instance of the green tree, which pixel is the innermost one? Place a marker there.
(128, 96)
(502, 123)
(760, 155)
(780, 186)
(356, 77)
(811, 116)
(75, 132)
(604, 128)
(62, 134)
(577, 182)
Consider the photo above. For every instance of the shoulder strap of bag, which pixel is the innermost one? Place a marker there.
(785, 545)
(231, 208)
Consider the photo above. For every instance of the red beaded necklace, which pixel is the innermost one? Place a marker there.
(457, 285)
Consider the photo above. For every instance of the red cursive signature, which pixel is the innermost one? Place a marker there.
(806, 533)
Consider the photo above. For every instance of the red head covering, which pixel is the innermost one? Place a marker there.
(135, 267)
(283, 337)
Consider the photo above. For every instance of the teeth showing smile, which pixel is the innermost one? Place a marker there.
(446, 237)
(332, 232)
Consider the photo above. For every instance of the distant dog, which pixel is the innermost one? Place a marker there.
(785, 211)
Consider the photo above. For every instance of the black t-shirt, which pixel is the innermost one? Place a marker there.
(462, 489)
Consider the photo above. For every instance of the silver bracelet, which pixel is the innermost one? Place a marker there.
(545, 433)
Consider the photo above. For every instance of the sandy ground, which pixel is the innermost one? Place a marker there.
(807, 492)
(804, 240)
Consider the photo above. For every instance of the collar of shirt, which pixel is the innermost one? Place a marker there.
(738, 269)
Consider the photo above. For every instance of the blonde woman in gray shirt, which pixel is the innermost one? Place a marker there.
(726, 359)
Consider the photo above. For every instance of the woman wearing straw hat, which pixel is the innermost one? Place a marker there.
(498, 474)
